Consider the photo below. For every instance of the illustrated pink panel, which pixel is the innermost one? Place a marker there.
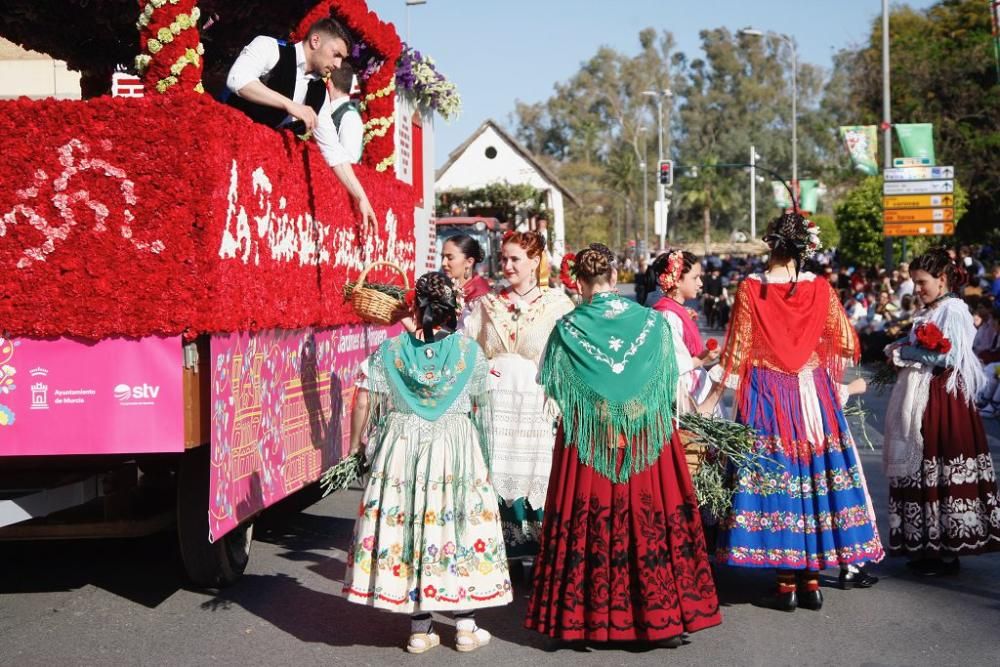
(115, 396)
(278, 417)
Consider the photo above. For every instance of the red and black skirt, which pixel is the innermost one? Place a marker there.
(949, 507)
(621, 562)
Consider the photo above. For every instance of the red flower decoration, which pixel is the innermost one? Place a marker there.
(410, 298)
(930, 337)
(139, 217)
(479, 546)
(430, 592)
(567, 271)
(712, 344)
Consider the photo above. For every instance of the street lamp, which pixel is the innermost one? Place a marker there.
(411, 3)
(645, 192)
(751, 32)
(659, 95)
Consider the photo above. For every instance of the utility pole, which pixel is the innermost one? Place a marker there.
(886, 117)
(753, 193)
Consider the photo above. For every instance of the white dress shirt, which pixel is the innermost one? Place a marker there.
(351, 130)
(257, 60)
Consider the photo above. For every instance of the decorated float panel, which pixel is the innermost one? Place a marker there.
(132, 225)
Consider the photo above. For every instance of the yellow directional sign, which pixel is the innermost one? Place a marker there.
(918, 201)
(918, 215)
(919, 229)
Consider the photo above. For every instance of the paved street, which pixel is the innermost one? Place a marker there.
(124, 602)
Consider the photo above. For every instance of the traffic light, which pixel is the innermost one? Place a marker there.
(666, 172)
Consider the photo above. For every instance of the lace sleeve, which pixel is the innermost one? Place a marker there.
(472, 321)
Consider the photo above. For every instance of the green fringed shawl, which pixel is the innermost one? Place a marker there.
(610, 366)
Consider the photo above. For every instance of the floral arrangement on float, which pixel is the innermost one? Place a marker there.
(110, 226)
(418, 79)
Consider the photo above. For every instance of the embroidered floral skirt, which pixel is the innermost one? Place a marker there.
(804, 504)
(621, 562)
(428, 533)
(950, 506)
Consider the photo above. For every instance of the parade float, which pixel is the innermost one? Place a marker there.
(172, 314)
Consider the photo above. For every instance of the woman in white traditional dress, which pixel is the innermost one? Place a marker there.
(428, 534)
(512, 327)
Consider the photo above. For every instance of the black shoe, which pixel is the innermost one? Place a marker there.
(673, 642)
(811, 600)
(860, 579)
(934, 567)
(779, 601)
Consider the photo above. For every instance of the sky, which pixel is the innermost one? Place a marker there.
(498, 51)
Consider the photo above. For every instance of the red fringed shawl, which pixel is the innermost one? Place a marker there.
(784, 331)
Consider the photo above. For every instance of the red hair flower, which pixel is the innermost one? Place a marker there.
(672, 272)
(567, 271)
(712, 344)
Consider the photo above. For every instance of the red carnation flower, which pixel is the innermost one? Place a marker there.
(929, 337)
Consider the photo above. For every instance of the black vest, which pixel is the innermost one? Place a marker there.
(281, 79)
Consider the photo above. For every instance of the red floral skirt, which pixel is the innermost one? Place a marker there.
(621, 562)
(951, 505)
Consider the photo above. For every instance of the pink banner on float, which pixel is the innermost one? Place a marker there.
(278, 413)
(115, 396)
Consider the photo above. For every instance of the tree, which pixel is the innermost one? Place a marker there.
(859, 221)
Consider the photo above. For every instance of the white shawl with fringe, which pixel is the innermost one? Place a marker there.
(903, 446)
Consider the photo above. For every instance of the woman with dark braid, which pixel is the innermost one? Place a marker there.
(622, 553)
(943, 500)
(428, 536)
(804, 505)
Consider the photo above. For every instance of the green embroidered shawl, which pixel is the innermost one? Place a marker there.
(610, 366)
(428, 375)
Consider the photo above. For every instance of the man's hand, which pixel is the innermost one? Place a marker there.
(367, 212)
(303, 113)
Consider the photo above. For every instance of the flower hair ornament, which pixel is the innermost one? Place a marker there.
(671, 274)
(567, 271)
(799, 244)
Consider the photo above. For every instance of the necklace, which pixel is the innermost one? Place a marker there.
(533, 288)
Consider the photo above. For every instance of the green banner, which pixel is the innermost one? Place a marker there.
(808, 195)
(916, 139)
(861, 142)
(781, 197)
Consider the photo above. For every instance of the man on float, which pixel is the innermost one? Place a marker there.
(276, 83)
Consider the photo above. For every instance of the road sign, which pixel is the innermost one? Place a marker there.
(918, 201)
(918, 173)
(918, 187)
(919, 229)
(919, 215)
(911, 162)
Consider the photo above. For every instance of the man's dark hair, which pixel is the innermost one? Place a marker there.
(343, 77)
(331, 28)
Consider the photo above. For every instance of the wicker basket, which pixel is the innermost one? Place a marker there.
(370, 304)
(694, 450)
